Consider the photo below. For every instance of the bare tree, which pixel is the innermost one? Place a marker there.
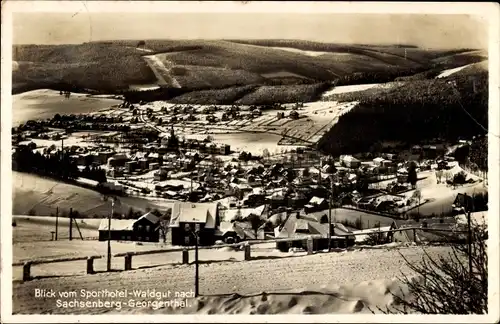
(417, 195)
(448, 284)
(265, 154)
(439, 175)
(164, 222)
(255, 222)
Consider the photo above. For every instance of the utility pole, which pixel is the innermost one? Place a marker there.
(320, 167)
(330, 225)
(70, 224)
(196, 263)
(57, 220)
(469, 242)
(109, 234)
(330, 222)
(78, 228)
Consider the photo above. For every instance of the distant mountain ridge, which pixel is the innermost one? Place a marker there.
(193, 65)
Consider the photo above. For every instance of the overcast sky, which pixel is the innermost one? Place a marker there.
(432, 31)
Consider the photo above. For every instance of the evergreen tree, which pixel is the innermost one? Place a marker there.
(412, 174)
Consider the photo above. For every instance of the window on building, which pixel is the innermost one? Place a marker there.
(139, 227)
(148, 228)
(146, 238)
(129, 237)
(186, 240)
(187, 227)
(139, 238)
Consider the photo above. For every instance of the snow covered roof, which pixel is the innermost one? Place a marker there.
(258, 191)
(194, 213)
(316, 200)
(350, 158)
(322, 229)
(117, 224)
(227, 227)
(288, 228)
(402, 171)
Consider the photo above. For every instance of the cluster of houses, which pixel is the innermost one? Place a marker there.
(289, 200)
(213, 221)
(179, 113)
(214, 113)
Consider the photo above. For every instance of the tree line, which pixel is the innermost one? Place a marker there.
(58, 165)
(413, 113)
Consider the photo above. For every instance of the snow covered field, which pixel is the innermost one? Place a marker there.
(366, 274)
(449, 72)
(254, 143)
(41, 104)
(264, 132)
(44, 195)
(38, 228)
(350, 88)
(308, 53)
(440, 196)
(144, 87)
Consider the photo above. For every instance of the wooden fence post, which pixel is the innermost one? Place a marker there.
(185, 256)
(128, 261)
(247, 252)
(26, 271)
(414, 236)
(346, 241)
(90, 265)
(310, 245)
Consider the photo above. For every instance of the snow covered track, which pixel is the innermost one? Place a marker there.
(161, 72)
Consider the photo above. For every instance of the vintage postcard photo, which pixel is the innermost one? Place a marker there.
(284, 159)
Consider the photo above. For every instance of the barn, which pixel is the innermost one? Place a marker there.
(144, 229)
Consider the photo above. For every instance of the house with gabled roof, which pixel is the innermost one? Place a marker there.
(143, 229)
(350, 161)
(316, 204)
(295, 226)
(188, 218)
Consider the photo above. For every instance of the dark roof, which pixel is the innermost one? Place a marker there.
(316, 216)
(150, 217)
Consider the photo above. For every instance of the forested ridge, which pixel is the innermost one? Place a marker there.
(416, 111)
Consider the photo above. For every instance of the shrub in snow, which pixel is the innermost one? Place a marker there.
(453, 284)
(376, 238)
(459, 178)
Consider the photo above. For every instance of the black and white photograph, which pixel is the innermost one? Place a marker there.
(284, 159)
